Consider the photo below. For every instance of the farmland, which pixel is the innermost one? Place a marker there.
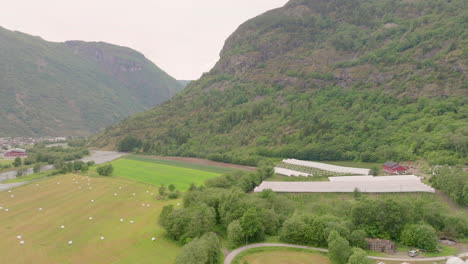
(157, 172)
(274, 255)
(66, 200)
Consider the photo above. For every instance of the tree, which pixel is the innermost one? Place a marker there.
(422, 236)
(339, 249)
(171, 187)
(203, 250)
(358, 239)
(84, 168)
(374, 171)
(37, 168)
(17, 162)
(357, 193)
(162, 190)
(129, 144)
(359, 256)
(235, 234)
(294, 231)
(252, 225)
(105, 170)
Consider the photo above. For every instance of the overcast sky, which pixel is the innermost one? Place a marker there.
(183, 37)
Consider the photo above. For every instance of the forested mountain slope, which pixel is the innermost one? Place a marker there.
(325, 80)
(73, 88)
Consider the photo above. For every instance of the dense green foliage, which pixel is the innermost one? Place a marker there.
(129, 144)
(359, 256)
(51, 155)
(453, 181)
(105, 170)
(73, 88)
(422, 236)
(17, 162)
(203, 250)
(225, 206)
(324, 80)
(339, 249)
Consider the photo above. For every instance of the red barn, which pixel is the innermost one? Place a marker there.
(393, 167)
(15, 153)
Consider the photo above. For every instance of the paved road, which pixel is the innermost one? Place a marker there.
(97, 156)
(230, 257)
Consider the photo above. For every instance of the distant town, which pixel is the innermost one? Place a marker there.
(7, 143)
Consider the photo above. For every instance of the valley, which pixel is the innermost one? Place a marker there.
(327, 132)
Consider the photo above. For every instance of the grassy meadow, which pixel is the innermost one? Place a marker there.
(157, 172)
(66, 200)
(280, 255)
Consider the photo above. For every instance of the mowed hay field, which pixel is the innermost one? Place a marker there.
(281, 256)
(157, 172)
(63, 202)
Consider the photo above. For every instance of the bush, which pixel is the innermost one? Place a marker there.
(359, 256)
(422, 236)
(235, 234)
(17, 162)
(203, 250)
(105, 170)
(173, 195)
(339, 249)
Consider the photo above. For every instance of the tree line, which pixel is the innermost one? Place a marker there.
(224, 206)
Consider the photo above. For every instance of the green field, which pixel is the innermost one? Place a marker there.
(5, 161)
(157, 172)
(280, 255)
(66, 204)
(181, 164)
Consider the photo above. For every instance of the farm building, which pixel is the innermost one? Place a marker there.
(15, 153)
(393, 167)
(382, 245)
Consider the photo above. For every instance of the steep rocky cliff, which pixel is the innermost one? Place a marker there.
(73, 88)
(324, 80)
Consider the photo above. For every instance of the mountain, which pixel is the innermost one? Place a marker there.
(73, 88)
(369, 80)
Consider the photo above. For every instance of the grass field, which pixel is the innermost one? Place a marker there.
(5, 161)
(280, 255)
(64, 203)
(181, 164)
(157, 172)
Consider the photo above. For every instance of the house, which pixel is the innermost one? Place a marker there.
(393, 168)
(382, 245)
(15, 153)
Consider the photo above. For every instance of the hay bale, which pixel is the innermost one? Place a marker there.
(131, 221)
(62, 227)
(90, 218)
(153, 239)
(121, 220)
(70, 242)
(21, 242)
(18, 237)
(102, 238)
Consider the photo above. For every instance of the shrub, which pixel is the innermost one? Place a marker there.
(421, 236)
(105, 170)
